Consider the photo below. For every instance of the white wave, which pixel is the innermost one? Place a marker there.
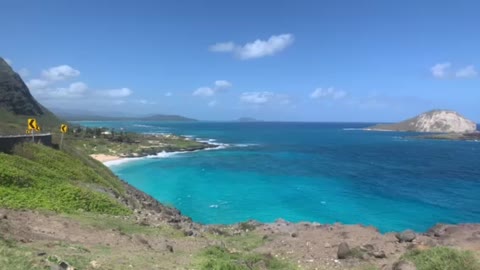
(164, 154)
(213, 206)
(120, 161)
(355, 129)
(245, 144)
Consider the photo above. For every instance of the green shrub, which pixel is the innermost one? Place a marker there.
(219, 258)
(443, 258)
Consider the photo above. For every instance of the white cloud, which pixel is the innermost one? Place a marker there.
(440, 70)
(222, 84)
(168, 94)
(74, 90)
(256, 97)
(218, 86)
(256, 49)
(223, 47)
(35, 84)
(204, 91)
(117, 93)
(260, 98)
(60, 73)
(467, 72)
(328, 93)
(212, 103)
(24, 72)
(9, 62)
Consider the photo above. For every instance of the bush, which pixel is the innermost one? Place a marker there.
(219, 258)
(443, 258)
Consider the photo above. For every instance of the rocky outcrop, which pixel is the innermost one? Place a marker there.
(443, 121)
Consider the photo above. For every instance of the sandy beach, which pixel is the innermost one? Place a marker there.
(106, 158)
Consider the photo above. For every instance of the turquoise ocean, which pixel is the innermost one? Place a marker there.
(317, 172)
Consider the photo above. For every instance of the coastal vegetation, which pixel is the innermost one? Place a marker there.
(127, 144)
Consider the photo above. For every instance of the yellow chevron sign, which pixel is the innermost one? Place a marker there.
(64, 128)
(32, 124)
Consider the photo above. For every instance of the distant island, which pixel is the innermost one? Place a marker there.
(435, 121)
(247, 119)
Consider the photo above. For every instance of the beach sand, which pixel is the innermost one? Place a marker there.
(106, 158)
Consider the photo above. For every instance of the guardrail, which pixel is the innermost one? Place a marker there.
(7, 142)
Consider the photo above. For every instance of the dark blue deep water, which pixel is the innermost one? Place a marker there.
(323, 172)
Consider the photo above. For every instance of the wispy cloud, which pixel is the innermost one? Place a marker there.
(168, 94)
(328, 93)
(440, 70)
(212, 103)
(444, 70)
(60, 73)
(116, 93)
(53, 88)
(256, 49)
(467, 72)
(265, 97)
(208, 91)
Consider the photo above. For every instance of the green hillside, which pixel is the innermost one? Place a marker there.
(38, 177)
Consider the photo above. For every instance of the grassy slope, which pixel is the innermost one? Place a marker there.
(38, 177)
(17, 124)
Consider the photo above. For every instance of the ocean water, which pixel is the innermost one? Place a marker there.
(318, 172)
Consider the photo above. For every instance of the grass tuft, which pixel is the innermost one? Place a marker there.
(443, 258)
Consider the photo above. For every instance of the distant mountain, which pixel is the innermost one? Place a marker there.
(17, 104)
(152, 118)
(444, 121)
(247, 119)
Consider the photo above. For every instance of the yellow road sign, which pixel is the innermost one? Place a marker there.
(28, 131)
(37, 128)
(64, 128)
(32, 124)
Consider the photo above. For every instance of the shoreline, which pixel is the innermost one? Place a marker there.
(111, 160)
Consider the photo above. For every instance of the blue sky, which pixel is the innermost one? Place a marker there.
(272, 60)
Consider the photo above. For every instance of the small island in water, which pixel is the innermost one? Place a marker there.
(438, 124)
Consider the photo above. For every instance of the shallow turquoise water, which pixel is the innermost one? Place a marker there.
(321, 172)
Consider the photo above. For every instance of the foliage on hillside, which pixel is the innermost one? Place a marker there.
(38, 177)
(443, 258)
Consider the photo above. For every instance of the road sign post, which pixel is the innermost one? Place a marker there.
(63, 129)
(32, 126)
